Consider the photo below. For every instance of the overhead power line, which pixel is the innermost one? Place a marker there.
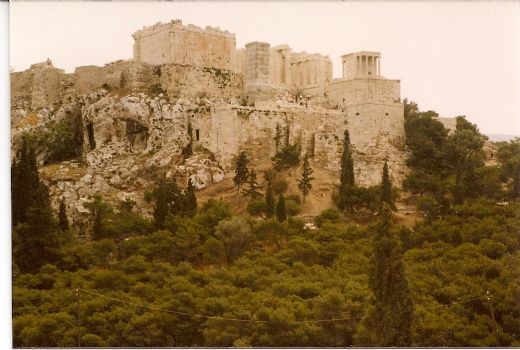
(256, 320)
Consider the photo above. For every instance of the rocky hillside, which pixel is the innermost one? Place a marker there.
(124, 144)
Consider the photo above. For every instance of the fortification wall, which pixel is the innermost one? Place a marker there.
(190, 81)
(257, 80)
(21, 87)
(377, 134)
(187, 45)
(37, 87)
(88, 78)
(120, 74)
(46, 87)
(343, 92)
(230, 130)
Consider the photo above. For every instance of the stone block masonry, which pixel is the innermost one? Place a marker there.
(173, 42)
(240, 98)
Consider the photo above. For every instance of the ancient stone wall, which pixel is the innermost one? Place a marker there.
(347, 92)
(375, 136)
(37, 87)
(21, 87)
(119, 74)
(172, 42)
(190, 81)
(257, 80)
(88, 78)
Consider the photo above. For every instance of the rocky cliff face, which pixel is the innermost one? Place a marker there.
(127, 142)
(130, 131)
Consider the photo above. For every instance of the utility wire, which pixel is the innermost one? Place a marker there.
(256, 320)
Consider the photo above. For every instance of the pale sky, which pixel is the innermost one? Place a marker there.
(457, 58)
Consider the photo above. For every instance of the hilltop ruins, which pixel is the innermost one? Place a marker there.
(191, 86)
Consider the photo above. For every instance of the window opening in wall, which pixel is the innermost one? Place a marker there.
(386, 114)
(197, 134)
(357, 113)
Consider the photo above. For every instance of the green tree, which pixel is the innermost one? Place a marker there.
(167, 199)
(426, 138)
(347, 163)
(347, 189)
(190, 202)
(212, 212)
(62, 217)
(62, 140)
(100, 214)
(257, 207)
(288, 156)
(281, 211)
(515, 188)
(25, 182)
(390, 319)
(270, 201)
(386, 187)
(241, 170)
(464, 155)
(305, 182)
(255, 190)
(235, 235)
(37, 242)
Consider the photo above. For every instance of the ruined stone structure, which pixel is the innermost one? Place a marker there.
(176, 43)
(190, 88)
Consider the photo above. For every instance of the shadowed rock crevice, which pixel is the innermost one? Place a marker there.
(137, 135)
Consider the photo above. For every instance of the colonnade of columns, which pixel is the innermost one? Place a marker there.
(368, 64)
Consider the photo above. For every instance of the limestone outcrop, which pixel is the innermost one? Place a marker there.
(167, 113)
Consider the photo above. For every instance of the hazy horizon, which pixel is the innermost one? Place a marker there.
(459, 58)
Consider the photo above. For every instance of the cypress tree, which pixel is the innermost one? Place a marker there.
(269, 201)
(255, 190)
(304, 183)
(36, 242)
(347, 181)
(167, 199)
(515, 191)
(24, 182)
(281, 212)
(99, 211)
(190, 199)
(62, 217)
(161, 205)
(386, 187)
(390, 320)
(241, 171)
(347, 164)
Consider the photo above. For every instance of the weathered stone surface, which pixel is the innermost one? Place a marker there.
(136, 115)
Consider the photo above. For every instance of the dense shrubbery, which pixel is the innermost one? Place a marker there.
(276, 272)
(195, 261)
(288, 156)
(448, 168)
(62, 140)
